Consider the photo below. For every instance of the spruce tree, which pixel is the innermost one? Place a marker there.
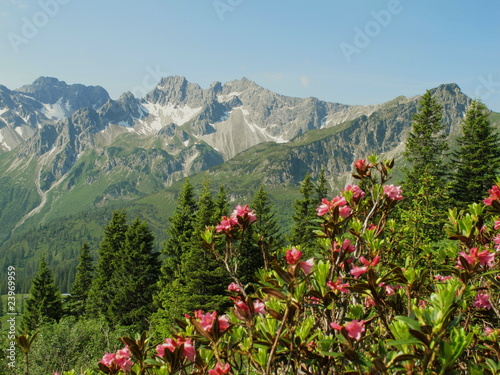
(180, 232)
(171, 292)
(425, 147)
(44, 303)
(266, 227)
(136, 274)
(221, 203)
(424, 186)
(303, 218)
(477, 160)
(204, 280)
(103, 290)
(77, 302)
(321, 188)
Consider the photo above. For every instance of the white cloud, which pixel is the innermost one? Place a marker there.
(305, 80)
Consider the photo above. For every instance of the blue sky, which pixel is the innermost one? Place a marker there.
(350, 51)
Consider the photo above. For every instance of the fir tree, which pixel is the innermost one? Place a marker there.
(477, 160)
(221, 203)
(102, 290)
(303, 218)
(425, 152)
(180, 232)
(321, 188)
(266, 227)
(77, 302)
(135, 277)
(44, 303)
(203, 279)
(425, 147)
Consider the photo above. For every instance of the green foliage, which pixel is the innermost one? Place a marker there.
(425, 188)
(303, 218)
(191, 277)
(71, 344)
(266, 228)
(425, 148)
(135, 277)
(103, 290)
(477, 160)
(44, 303)
(77, 302)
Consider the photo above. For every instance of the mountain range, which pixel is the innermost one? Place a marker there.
(69, 154)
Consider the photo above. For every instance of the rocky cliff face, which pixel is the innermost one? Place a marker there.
(72, 137)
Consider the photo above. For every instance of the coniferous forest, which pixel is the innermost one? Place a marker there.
(382, 277)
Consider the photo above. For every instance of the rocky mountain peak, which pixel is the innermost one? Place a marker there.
(49, 90)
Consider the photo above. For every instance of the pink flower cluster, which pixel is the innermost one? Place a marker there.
(484, 258)
(233, 287)
(494, 195)
(220, 369)
(354, 328)
(242, 311)
(394, 193)
(360, 164)
(293, 256)
(207, 320)
(358, 271)
(482, 300)
(120, 359)
(338, 285)
(327, 206)
(357, 192)
(346, 246)
(171, 344)
(240, 215)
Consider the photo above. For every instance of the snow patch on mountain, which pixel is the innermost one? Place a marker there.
(58, 110)
(179, 115)
(4, 144)
(227, 97)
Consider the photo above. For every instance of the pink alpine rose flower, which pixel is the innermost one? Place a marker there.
(360, 164)
(345, 211)
(244, 212)
(307, 266)
(108, 359)
(259, 307)
(346, 246)
(207, 320)
(488, 331)
(226, 224)
(120, 359)
(233, 287)
(338, 285)
(358, 271)
(242, 311)
(293, 255)
(496, 225)
(494, 195)
(482, 300)
(327, 206)
(220, 369)
(357, 192)
(171, 344)
(485, 258)
(354, 328)
(438, 277)
(393, 192)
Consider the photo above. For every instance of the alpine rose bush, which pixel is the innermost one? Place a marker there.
(356, 306)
